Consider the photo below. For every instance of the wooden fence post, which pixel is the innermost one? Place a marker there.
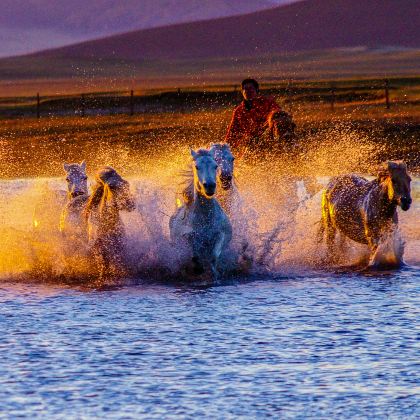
(83, 104)
(388, 104)
(289, 93)
(38, 105)
(332, 96)
(132, 103)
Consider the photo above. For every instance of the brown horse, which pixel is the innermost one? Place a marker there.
(365, 211)
(277, 136)
(106, 232)
(281, 127)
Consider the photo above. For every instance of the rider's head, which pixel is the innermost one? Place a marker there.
(250, 89)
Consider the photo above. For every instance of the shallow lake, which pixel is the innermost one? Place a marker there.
(295, 341)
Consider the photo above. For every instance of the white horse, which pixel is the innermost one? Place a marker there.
(225, 178)
(72, 223)
(202, 226)
(106, 233)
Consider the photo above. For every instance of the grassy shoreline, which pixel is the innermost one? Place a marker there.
(365, 134)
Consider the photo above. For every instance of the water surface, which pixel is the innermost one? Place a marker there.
(294, 342)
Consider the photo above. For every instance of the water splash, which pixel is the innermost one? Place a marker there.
(275, 220)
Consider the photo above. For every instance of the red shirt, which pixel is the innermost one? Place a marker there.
(249, 123)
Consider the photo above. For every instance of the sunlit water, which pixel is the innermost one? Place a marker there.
(287, 339)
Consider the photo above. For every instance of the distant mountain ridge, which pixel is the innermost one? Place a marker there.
(305, 25)
(28, 25)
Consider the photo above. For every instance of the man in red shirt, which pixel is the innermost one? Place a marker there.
(251, 118)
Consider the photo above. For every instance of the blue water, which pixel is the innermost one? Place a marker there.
(341, 345)
(298, 342)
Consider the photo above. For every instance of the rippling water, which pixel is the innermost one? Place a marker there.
(309, 346)
(294, 342)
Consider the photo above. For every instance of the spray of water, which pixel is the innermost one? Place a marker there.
(275, 219)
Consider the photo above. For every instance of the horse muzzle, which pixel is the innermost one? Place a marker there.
(405, 203)
(209, 188)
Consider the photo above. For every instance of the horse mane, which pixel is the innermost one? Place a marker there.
(188, 177)
(102, 177)
(94, 199)
(385, 169)
(106, 174)
(187, 184)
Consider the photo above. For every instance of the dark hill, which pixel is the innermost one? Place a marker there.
(31, 25)
(306, 25)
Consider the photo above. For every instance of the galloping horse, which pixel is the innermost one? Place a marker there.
(225, 178)
(72, 223)
(277, 135)
(365, 211)
(202, 225)
(106, 232)
(281, 127)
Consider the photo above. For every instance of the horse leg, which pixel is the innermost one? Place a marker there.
(102, 259)
(373, 244)
(385, 252)
(331, 233)
(214, 271)
(217, 251)
(100, 266)
(342, 244)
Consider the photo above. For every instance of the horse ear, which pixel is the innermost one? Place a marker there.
(66, 167)
(193, 154)
(83, 165)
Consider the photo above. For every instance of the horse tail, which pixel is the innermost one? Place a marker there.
(325, 221)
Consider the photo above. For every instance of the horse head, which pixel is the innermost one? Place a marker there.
(76, 179)
(116, 190)
(393, 175)
(281, 125)
(225, 160)
(205, 171)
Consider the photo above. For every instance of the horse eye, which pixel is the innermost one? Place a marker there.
(85, 178)
(68, 179)
(232, 158)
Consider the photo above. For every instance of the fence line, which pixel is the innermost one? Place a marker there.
(325, 92)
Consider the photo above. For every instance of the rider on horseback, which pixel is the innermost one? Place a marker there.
(258, 121)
